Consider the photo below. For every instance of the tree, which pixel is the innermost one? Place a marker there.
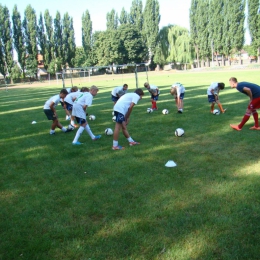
(6, 49)
(151, 25)
(41, 36)
(254, 25)
(112, 20)
(58, 37)
(31, 66)
(30, 31)
(136, 14)
(49, 49)
(18, 38)
(86, 37)
(80, 59)
(123, 17)
(68, 40)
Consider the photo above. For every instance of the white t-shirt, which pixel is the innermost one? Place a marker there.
(153, 89)
(118, 90)
(123, 104)
(55, 99)
(70, 96)
(84, 99)
(213, 86)
(179, 88)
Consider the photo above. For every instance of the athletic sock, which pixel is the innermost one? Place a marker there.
(244, 120)
(115, 143)
(87, 128)
(130, 139)
(79, 132)
(255, 115)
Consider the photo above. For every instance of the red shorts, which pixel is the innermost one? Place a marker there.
(254, 104)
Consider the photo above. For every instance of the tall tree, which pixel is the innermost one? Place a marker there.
(254, 25)
(68, 40)
(123, 19)
(58, 37)
(18, 37)
(136, 14)
(151, 25)
(41, 36)
(49, 50)
(30, 31)
(6, 48)
(194, 24)
(112, 20)
(87, 36)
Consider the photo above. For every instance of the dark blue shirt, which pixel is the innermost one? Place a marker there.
(255, 89)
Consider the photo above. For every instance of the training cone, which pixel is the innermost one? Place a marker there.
(33, 122)
(170, 164)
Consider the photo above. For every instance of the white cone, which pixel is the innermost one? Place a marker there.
(33, 122)
(170, 164)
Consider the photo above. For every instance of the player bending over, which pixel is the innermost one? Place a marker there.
(213, 95)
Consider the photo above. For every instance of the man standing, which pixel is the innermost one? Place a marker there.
(253, 92)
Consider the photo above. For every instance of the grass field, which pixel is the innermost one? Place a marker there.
(87, 202)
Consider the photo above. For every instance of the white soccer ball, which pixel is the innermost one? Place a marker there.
(108, 131)
(216, 112)
(114, 118)
(149, 110)
(179, 132)
(165, 111)
(71, 127)
(92, 117)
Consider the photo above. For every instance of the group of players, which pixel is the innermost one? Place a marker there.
(76, 103)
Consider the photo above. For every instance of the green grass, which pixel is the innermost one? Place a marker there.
(59, 201)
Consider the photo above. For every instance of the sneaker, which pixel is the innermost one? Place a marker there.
(68, 130)
(77, 143)
(133, 143)
(235, 127)
(224, 110)
(254, 128)
(96, 137)
(119, 147)
(52, 133)
(179, 111)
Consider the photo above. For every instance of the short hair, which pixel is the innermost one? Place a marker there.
(146, 84)
(64, 91)
(94, 88)
(125, 85)
(221, 85)
(139, 92)
(173, 91)
(74, 89)
(84, 89)
(233, 79)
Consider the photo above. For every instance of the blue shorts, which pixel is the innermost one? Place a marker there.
(155, 98)
(181, 96)
(68, 106)
(114, 98)
(120, 118)
(211, 98)
(80, 120)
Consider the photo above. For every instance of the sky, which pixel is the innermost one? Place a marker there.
(171, 11)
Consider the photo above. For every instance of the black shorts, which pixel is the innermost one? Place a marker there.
(49, 114)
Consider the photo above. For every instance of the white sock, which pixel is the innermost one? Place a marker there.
(63, 129)
(87, 128)
(72, 122)
(130, 139)
(115, 143)
(79, 132)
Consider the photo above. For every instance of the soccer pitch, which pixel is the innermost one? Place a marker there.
(60, 201)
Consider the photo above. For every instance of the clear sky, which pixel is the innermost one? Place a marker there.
(172, 11)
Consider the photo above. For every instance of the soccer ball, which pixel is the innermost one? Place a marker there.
(165, 111)
(216, 112)
(108, 131)
(179, 132)
(71, 127)
(149, 110)
(114, 118)
(92, 117)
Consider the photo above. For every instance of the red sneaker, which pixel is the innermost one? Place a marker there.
(235, 127)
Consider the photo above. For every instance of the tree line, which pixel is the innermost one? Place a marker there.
(216, 28)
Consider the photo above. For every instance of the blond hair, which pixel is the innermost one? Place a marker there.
(94, 88)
